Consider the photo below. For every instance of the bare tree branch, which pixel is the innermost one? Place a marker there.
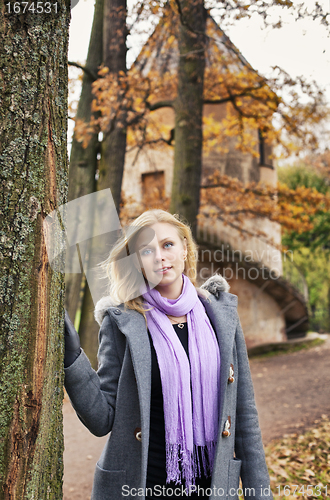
(88, 72)
(160, 104)
(266, 193)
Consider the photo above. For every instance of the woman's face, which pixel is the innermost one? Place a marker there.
(162, 254)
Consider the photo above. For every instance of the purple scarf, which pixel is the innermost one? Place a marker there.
(190, 393)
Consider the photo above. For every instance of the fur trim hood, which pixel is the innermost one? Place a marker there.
(215, 285)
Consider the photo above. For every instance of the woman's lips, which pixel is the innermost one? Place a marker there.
(163, 270)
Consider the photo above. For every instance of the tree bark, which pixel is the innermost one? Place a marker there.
(111, 165)
(33, 110)
(83, 162)
(189, 112)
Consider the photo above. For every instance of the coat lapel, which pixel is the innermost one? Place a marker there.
(223, 316)
(133, 326)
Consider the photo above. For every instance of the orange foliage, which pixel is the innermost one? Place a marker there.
(83, 132)
(130, 208)
(252, 102)
(228, 199)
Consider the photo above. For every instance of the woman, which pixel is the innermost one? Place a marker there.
(173, 384)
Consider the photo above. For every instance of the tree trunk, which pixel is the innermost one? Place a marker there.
(83, 162)
(189, 112)
(112, 160)
(33, 75)
(114, 54)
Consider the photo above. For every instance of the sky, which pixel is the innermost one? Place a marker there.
(300, 48)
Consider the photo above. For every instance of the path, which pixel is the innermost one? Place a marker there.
(292, 390)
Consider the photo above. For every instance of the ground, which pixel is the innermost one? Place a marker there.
(292, 390)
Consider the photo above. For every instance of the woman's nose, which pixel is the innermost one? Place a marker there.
(158, 254)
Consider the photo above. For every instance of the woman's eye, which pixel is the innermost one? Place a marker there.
(146, 251)
(168, 245)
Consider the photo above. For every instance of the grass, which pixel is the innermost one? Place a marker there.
(283, 348)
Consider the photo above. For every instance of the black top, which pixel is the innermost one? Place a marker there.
(156, 472)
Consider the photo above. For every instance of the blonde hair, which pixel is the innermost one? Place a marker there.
(125, 279)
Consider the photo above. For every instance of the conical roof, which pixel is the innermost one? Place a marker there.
(161, 51)
(227, 72)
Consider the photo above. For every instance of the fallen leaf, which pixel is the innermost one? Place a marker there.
(279, 471)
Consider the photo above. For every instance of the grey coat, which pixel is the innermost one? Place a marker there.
(116, 398)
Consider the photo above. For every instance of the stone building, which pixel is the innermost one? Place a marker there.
(269, 307)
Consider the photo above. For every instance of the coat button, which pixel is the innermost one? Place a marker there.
(138, 434)
(231, 377)
(117, 311)
(226, 431)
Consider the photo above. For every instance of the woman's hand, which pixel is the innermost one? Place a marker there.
(72, 341)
